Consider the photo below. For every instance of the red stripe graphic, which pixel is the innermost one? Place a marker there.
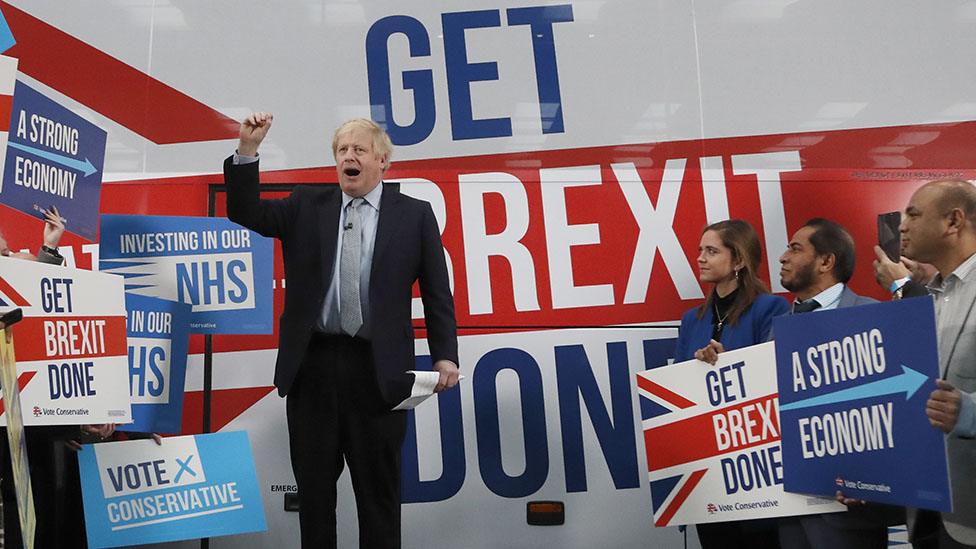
(11, 293)
(69, 338)
(22, 381)
(680, 497)
(6, 105)
(663, 393)
(697, 434)
(123, 93)
(226, 406)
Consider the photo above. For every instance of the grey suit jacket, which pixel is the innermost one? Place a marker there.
(957, 363)
(849, 299)
(51, 259)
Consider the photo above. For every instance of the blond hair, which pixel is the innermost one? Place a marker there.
(381, 141)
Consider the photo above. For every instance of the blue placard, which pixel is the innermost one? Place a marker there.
(190, 487)
(6, 37)
(159, 333)
(853, 384)
(54, 158)
(221, 269)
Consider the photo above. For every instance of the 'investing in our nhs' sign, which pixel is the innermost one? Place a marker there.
(219, 268)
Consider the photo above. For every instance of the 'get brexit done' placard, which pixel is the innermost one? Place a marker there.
(853, 384)
(712, 437)
(71, 344)
(221, 269)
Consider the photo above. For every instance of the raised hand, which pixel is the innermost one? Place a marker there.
(53, 227)
(887, 271)
(254, 128)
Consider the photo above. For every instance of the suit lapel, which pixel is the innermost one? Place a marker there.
(390, 213)
(846, 298)
(967, 295)
(328, 211)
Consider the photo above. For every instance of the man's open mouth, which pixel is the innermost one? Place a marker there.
(351, 172)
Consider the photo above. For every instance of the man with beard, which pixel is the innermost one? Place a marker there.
(816, 267)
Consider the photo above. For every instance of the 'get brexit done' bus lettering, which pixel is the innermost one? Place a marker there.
(457, 29)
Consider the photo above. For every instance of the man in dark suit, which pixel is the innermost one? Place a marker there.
(816, 267)
(352, 254)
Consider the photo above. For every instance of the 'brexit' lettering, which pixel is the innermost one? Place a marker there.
(540, 22)
(74, 337)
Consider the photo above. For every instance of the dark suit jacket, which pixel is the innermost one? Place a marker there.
(407, 248)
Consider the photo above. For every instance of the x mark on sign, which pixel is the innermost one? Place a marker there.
(184, 466)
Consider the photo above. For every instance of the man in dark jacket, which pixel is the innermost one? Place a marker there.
(816, 267)
(352, 254)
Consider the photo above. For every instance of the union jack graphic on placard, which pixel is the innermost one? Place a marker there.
(712, 441)
(657, 400)
(669, 494)
(9, 297)
(22, 381)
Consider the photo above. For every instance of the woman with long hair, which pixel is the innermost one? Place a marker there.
(738, 313)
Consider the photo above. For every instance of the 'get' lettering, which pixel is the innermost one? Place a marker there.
(460, 72)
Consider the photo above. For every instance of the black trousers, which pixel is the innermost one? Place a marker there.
(739, 534)
(335, 413)
(813, 531)
(56, 484)
(930, 532)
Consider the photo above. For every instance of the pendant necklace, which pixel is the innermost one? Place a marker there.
(720, 318)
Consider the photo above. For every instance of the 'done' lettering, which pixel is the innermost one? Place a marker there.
(751, 470)
(70, 379)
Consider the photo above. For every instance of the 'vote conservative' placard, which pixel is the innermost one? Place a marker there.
(189, 487)
(712, 438)
(54, 158)
(221, 269)
(853, 385)
(71, 345)
(159, 334)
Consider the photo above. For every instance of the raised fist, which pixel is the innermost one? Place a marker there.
(253, 130)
